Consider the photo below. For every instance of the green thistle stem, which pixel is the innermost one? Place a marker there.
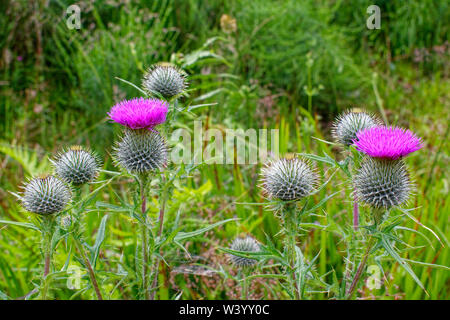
(47, 233)
(290, 245)
(91, 272)
(244, 288)
(378, 215)
(155, 272)
(360, 269)
(144, 236)
(77, 237)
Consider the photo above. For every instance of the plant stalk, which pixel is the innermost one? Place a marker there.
(79, 246)
(160, 230)
(355, 214)
(360, 269)
(46, 238)
(89, 267)
(144, 238)
(244, 293)
(290, 243)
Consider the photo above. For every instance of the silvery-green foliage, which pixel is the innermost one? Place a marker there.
(165, 79)
(348, 124)
(247, 244)
(382, 183)
(140, 151)
(288, 179)
(45, 195)
(77, 165)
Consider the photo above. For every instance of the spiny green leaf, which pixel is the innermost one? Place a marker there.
(387, 246)
(186, 235)
(98, 241)
(20, 224)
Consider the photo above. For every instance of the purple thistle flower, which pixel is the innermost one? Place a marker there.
(139, 113)
(387, 142)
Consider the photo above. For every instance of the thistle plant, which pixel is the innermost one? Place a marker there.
(141, 150)
(285, 182)
(78, 166)
(344, 131)
(382, 182)
(46, 196)
(244, 264)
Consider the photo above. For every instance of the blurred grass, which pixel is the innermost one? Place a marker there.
(57, 84)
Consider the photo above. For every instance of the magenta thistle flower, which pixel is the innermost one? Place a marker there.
(387, 142)
(139, 113)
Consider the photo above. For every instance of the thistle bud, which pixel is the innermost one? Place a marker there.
(45, 195)
(165, 79)
(247, 244)
(140, 151)
(348, 124)
(382, 183)
(288, 179)
(66, 222)
(77, 165)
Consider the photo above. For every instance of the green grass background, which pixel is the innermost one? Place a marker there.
(57, 84)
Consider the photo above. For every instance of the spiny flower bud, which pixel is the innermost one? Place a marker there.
(165, 79)
(382, 184)
(66, 222)
(288, 179)
(45, 195)
(348, 124)
(247, 244)
(77, 165)
(140, 151)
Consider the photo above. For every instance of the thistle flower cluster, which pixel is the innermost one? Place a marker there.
(77, 165)
(45, 195)
(165, 79)
(141, 148)
(49, 194)
(383, 180)
(288, 179)
(247, 244)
